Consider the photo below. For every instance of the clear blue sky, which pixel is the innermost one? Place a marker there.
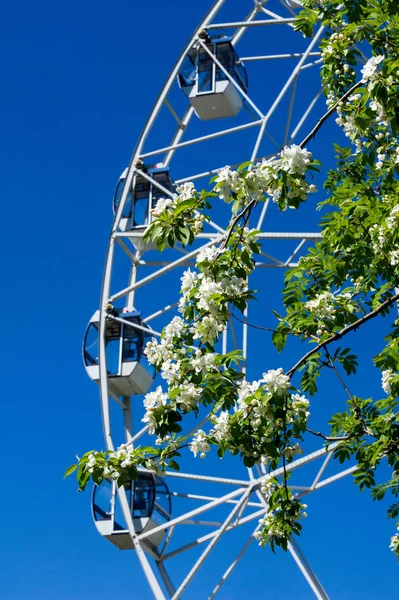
(78, 81)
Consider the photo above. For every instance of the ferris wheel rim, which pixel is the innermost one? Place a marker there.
(131, 173)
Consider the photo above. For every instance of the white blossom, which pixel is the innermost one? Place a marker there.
(174, 328)
(199, 445)
(221, 426)
(186, 191)
(226, 182)
(209, 254)
(394, 258)
(208, 328)
(245, 391)
(161, 206)
(207, 289)
(188, 281)
(170, 371)
(322, 306)
(159, 352)
(295, 159)
(300, 404)
(188, 396)
(276, 382)
(202, 362)
(386, 380)
(233, 286)
(290, 451)
(152, 401)
(266, 487)
(369, 70)
(91, 463)
(394, 545)
(393, 219)
(378, 235)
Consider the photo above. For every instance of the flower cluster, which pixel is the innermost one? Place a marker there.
(325, 306)
(221, 430)
(161, 205)
(322, 306)
(258, 409)
(386, 380)
(265, 178)
(394, 545)
(199, 444)
(295, 160)
(276, 382)
(280, 521)
(228, 182)
(384, 233)
(152, 401)
(186, 191)
(370, 69)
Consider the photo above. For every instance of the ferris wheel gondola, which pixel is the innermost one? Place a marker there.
(150, 184)
(149, 504)
(213, 78)
(128, 370)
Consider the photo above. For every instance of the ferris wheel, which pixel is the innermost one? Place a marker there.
(244, 86)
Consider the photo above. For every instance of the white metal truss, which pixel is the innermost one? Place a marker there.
(224, 503)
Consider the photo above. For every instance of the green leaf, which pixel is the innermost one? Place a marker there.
(174, 465)
(244, 165)
(185, 205)
(70, 470)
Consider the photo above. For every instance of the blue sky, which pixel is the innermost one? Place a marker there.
(78, 81)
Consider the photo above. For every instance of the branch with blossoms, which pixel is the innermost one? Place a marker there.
(345, 281)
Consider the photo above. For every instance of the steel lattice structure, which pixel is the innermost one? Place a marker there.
(264, 126)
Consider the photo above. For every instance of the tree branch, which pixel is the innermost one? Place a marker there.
(324, 118)
(344, 331)
(326, 437)
(338, 374)
(247, 208)
(270, 328)
(252, 325)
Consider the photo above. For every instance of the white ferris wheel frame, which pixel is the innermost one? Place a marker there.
(246, 500)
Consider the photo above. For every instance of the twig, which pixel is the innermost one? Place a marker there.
(327, 438)
(329, 113)
(248, 207)
(357, 410)
(252, 325)
(270, 328)
(339, 376)
(344, 331)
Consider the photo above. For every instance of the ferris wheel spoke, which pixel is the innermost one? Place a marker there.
(210, 546)
(166, 269)
(260, 23)
(291, 106)
(307, 571)
(178, 135)
(173, 113)
(277, 56)
(305, 115)
(235, 562)
(294, 73)
(203, 138)
(288, 7)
